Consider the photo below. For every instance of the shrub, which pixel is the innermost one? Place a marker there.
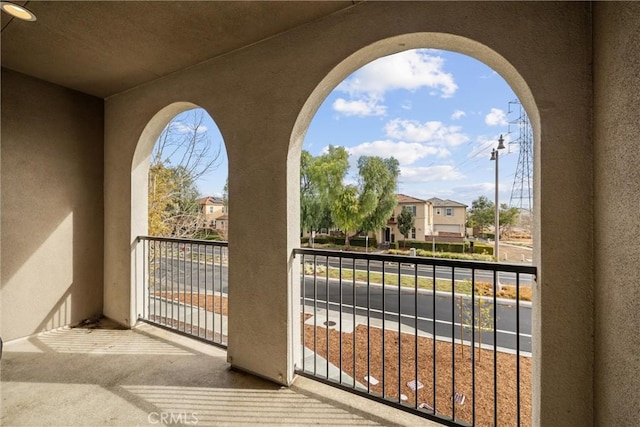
(462, 247)
(448, 255)
(208, 234)
(484, 249)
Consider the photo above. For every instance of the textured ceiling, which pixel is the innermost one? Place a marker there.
(103, 48)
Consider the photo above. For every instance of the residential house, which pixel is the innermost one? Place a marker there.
(222, 223)
(211, 208)
(422, 221)
(88, 87)
(433, 219)
(448, 219)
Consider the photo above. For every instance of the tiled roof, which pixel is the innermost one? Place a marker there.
(442, 203)
(210, 200)
(403, 198)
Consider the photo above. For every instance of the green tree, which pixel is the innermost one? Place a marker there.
(482, 213)
(347, 210)
(321, 181)
(508, 217)
(225, 195)
(405, 223)
(182, 154)
(324, 198)
(378, 181)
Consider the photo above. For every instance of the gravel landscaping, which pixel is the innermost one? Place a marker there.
(402, 355)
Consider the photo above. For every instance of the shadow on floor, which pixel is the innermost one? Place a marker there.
(101, 375)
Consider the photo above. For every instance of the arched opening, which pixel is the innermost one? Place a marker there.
(402, 382)
(180, 220)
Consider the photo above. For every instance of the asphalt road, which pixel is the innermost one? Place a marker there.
(403, 303)
(370, 300)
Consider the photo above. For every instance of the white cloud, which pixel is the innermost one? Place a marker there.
(432, 132)
(496, 117)
(407, 105)
(360, 108)
(181, 127)
(485, 144)
(477, 189)
(409, 70)
(458, 114)
(405, 152)
(430, 174)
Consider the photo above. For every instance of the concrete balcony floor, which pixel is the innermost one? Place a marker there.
(105, 376)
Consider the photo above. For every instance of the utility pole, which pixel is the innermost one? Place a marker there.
(495, 155)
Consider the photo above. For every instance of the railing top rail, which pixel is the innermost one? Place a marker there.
(180, 240)
(406, 259)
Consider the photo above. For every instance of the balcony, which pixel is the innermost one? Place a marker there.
(100, 374)
(372, 324)
(410, 333)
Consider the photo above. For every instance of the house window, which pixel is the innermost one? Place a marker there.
(412, 209)
(449, 212)
(413, 233)
(210, 209)
(438, 211)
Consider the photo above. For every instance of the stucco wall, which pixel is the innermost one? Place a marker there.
(52, 238)
(617, 212)
(263, 97)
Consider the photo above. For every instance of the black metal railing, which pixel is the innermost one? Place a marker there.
(445, 339)
(185, 286)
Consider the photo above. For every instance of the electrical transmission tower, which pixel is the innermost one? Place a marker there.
(522, 190)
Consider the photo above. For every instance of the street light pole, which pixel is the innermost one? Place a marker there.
(495, 155)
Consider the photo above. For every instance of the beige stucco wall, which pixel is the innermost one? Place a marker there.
(52, 203)
(617, 212)
(420, 222)
(262, 98)
(458, 218)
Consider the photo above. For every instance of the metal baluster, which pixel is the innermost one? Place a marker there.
(368, 326)
(184, 289)
(145, 278)
(222, 251)
(315, 315)
(433, 323)
(206, 265)
(453, 343)
(517, 344)
(400, 335)
(340, 316)
(353, 343)
(384, 328)
(198, 281)
(303, 288)
(495, 349)
(473, 346)
(191, 286)
(326, 295)
(415, 331)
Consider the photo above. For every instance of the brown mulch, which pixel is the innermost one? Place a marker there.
(393, 353)
(213, 303)
(209, 302)
(190, 329)
(484, 372)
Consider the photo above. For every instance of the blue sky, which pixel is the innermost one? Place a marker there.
(439, 113)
